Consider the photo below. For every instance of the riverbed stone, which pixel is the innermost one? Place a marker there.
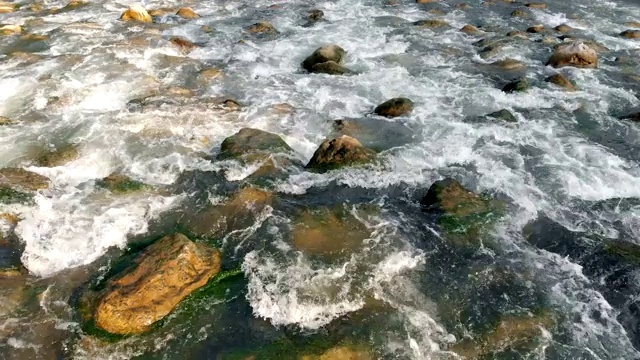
(339, 152)
(183, 44)
(631, 34)
(504, 115)
(10, 29)
(561, 81)
(330, 68)
(575, 54)
(394, 107)
(520, 13)
(431, 23)
(536, 5)
(6, 7)
(342, 352)
(535, 29)
(509, 64)
(519, 85)
(315, 15)
(121, 184)
(187, 13)
(136, 13)
(249, 141)
(469, 29)
(163, 275)
(23, 179)
(59, 157)
(327, 231)
(262, 27)
(563, 28)
(238, 212)
(323, 54)
(6, 121)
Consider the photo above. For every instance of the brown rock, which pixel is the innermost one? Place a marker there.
(339, 152)
(187, 13)
(536, 29)
(209, 74)
(463, 6)
(631, 34)
(184, 44)
(575, 54)
(469, 29)
(394, 107)
(136, 13)
(633, 24)
(449, 197)
(564, 28)
(561, 81)
(6, 7)
(6, 121)
(23, 179)
(10, 29)
(262, 27)
(432, 23)
(249, 141)
(425, 1)
(538, 5)
(59, 157)
(163, 275)
(330, 68)
(509, 64)
(323, 54)
(327, 232)
(315, 15)
(342, 352)
(518, 34)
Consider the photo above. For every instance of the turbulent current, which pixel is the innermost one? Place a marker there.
(556, 276)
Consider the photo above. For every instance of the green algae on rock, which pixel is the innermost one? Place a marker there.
(464, 214)
(121, 184)
(58, 157)
(161, 277)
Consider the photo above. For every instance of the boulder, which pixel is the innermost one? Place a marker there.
(504, 115)
(262, 27)
(339, 152)
(536, 5)
(575, 54)
(249, 141)
(121, 184)
(536, 29)
(431, 23)
(519, 85)
(22, 179)
(330, 68)
(162, 276)
(394, 107)
(328, 232)
(509, 64)
(448, 196)
(6, 121)
(561, 81)
(323, 54)
(631, 34)
(563, 28)
(187, 13)
(136, 13)
(58, 157)
(10, 29)
(315, 15)
(469, 29)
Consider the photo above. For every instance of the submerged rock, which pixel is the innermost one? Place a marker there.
(469, 29)
(512, 332)
(374, 133)
(250, 141)
(561, 81)
(10, 29)
(121, 184)
(330, 68)
(182, 43)
(239, 212)
(136, 13)
(576, 54)
(59, 157)
(536, 29)
(325, 231)
(315, 15)
(163, 275)
(394, 107)
(6, 7)
(339, 152)
(536, 5)
(342, 352)
(431, 23)
(509, 64)
(504, 115)
(6, 121)
(520, 13)
(324, 54)
(22, 179)
(631, 34)
(563, 28)
(262, 27)
(519, 85)
(464, 214)
(187, 13)
(633, 117)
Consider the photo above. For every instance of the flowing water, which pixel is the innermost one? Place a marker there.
(568, 171)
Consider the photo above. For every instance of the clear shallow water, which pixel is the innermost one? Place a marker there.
(568, 158)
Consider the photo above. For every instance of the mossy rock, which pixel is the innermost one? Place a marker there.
(121, 184)
(329, 231)
(464, 215)
(11, 196)
(512, 332)
(18, 178)
(339, 152)
(305, 348)
(59, 157)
